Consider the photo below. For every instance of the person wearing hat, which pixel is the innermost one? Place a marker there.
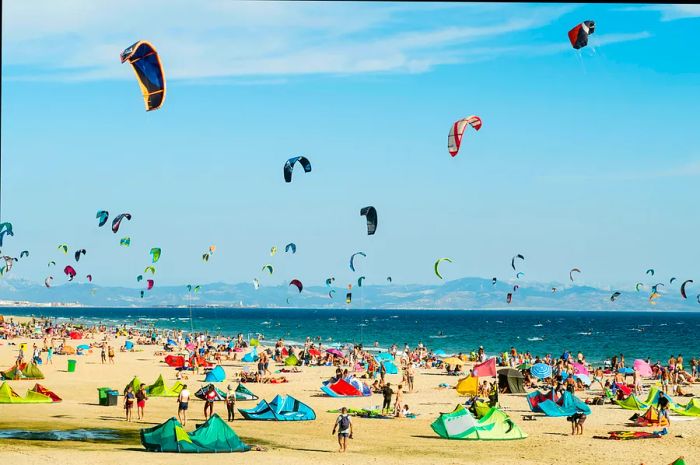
(230, 401)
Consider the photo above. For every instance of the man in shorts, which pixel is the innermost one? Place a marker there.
(183, 402)
(344, 426)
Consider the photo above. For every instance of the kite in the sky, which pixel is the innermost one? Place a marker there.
(155, 254)
(289, 167)
(352, 259)
(578, 36)
(70, 272)
(5, 229)
(454, 138)
(512, 261)
(149, 72)
(103, 216)
(297, 283)
(78, 253)
(371, 214)
(436, 266)
(571, 273)
(116, 222)
(291, 246)
(125, 241)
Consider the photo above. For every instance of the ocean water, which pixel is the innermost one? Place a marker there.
(599, 335)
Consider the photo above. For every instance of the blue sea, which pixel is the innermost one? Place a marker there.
(598, 335)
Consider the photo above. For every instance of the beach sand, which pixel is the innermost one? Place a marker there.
(395, 441)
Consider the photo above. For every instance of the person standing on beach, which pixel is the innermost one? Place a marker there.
(129, 401)
(399, 399)
(344, 427)
(410, 375)
(387, 392)
(141, 399)
(103, 354)
(110, 353)
(230, 402)
(209, 399)
(49, 355)
(183, 402)
(382, 373)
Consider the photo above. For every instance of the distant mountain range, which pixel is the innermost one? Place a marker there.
(465, 293)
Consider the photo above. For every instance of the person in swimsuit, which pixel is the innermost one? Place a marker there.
(387, 392)
(129, 402)
(141, 399)
(209, 399)
(183, 401)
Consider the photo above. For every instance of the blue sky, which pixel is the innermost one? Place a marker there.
(586, 159)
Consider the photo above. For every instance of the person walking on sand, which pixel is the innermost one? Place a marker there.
(209, 399)
(183, 402)
(343, 424)
(110, 354)
(129, 401)
(230, 402)
(103, 354)
(387, 392)
(141, 399)
(49, 356)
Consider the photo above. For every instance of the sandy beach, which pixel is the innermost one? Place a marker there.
(395, 441)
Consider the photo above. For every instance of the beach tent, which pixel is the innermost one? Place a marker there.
(281, 408)
(650, 418)
(390, 366)
(454, 424)
(32, 371)
(535, 398)
(691, 409)
(128, 345)
(47, 392)
(632, 403)
(643, 368)
(75, 335)
(567, 405)
(212, 436)
(291, 361)
(175, 361)
(134, 383)
(202, 393)
(217, 436)
(14, 373)
(468, 386)
(512, 380)
(243, 393)
(9, 396)
(343, 388)
(215, 375)
(251, 356)
(68, 350)
(460, 424)
(159, 389)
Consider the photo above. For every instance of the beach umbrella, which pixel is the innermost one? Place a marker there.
(335, 352)
(541, 370)
(453, 361)
(584, 379)
(524, 366)
(626, 371)
(580, 369)
(643, 368)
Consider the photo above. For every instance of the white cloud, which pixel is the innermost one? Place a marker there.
(81, 39)
(671, 12)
